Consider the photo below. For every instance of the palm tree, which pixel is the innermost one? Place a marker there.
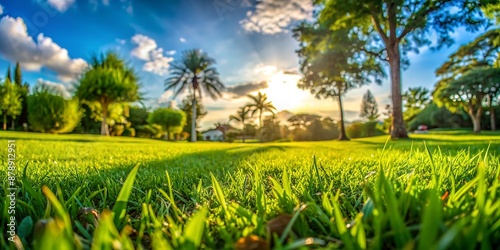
(194, 71)
(261, 104)
(241, 116)
(107, 80)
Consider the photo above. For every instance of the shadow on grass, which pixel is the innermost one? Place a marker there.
(185, 170)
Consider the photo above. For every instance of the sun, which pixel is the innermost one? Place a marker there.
(283, 91)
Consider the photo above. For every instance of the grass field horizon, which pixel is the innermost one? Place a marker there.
(370, 193)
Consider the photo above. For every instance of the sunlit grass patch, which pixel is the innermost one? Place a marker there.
(351, 195)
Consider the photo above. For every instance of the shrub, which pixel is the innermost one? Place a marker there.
(48, 112)
(363, 129)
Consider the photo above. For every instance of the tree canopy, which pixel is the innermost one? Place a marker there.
(171, 120)
(49, 112)
(108, 80)
(195, 71)
(10, 101)
(260, 103)
(468, 92)
(415, 100)
(325, 61)
(387, 30)
(369, 107)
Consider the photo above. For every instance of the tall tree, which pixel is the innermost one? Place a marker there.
(393, 28)
(107, 80)
(415, 100)
(242, 115)
(325, 63)
(484, 51)
(18, 78)
(260, 103)
(195, 71)
(24, 91)
(10, 101)
(8, 76)
(186, 105)
(468, 92)
(172, 121)
(369, 107)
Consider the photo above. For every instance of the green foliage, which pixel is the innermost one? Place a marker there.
(242, 115)
(369, 107)
(116, 118)
(414, 101)
(481, 52)
(172, 121)
(492, 11)
(149, 131)
(260, 103)
(138, 116)
(468, 92)
(18, 77)
(325, 61)
(195, 71)
(309, 127)
(108, 80)
(51, 113)
(384, 31)
(186, 105)
(270, 130)
(439, 117)
(363, 129)
(10, 101)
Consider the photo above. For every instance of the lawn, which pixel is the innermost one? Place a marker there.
(362, 194)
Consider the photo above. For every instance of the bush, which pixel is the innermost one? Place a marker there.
(148, 131)
(129, 132)
(363, 129)
(51, 113)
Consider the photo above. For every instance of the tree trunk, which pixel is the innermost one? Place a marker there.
(260, 119)
(193, 121)
(244, 128)
(398, 128)
(104, 124)
(12, 123)
(492, 115)
(4, 121)
(167, 135)
(476, 118)
(476, 124)
(343, 135)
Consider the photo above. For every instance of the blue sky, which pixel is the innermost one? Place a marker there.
(251, 43)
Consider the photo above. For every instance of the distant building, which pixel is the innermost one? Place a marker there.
(218, 133)
(213, 135)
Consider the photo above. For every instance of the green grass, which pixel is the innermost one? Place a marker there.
(362, 194)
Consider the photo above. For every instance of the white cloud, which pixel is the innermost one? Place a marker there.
(265, 69)
(17, 45)
(147, 50)
(166, 100)
(56, 87)
(144, 48)
(171, 52)
(274, 16)
(1, 9)
(182, 40)
(60, 5)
